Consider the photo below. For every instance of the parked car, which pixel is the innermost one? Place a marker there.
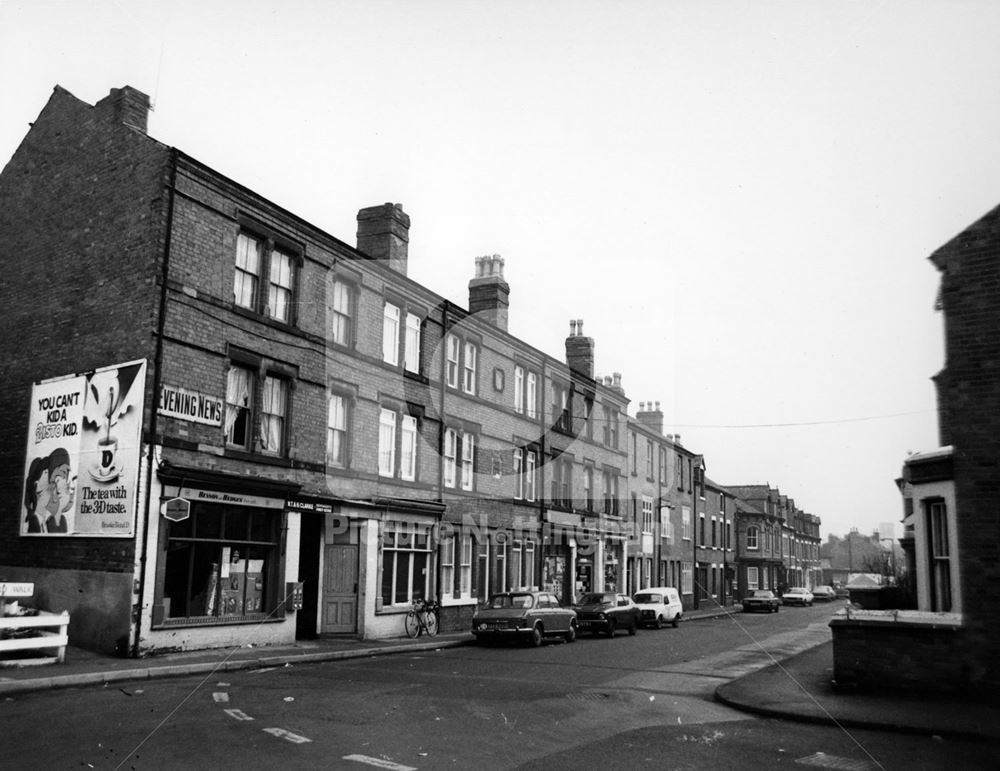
(843, 593)
(605, 612)
(797, 595)
(658, 605)
(761, 599)
(824, 593)
(528, 616)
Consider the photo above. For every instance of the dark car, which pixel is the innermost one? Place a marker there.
(761, 599)
(605, 612)
(527, 616)
(824, 594)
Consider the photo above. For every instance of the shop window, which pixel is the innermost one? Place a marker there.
(406, 563)
(222, 563)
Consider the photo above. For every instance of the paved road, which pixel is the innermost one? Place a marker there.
(627, 701)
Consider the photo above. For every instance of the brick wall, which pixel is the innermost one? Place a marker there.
(969, 415)
(82, 223)
(901, 650)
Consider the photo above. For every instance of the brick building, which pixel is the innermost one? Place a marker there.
(950, 498)
(302, 411)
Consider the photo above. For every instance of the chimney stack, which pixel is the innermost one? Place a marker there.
(616, 383)
(126, 105)
(384, 234)
(489, 294)
(650, 416)
(579, 350)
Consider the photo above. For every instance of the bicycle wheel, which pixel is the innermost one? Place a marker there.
(411, 624)
(431, 622)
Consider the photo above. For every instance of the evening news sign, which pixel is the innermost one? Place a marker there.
(190, 405)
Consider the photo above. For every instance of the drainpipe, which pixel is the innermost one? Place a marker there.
(136, 623)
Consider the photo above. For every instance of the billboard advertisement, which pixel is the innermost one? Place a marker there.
(82, 465)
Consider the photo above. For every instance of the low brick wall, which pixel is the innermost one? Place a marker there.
(898, 650)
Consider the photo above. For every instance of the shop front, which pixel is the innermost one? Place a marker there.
(223, 564)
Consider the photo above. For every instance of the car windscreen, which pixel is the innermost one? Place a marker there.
(511, 601)
(596, 599)
(648, 599)
(762, 593)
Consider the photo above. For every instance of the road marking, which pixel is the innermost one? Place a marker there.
(281, 733)
(238, 714)
(220, 697)
(822, 760)
(379, 763)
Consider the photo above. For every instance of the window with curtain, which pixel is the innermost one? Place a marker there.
(274, 406)
(468, 461)
(239, 406)
(342, 313)
(336, 430)
(408, 448)
(390, 334)
(387, 443)
(411, 346)
(279, 290)
(248, 259)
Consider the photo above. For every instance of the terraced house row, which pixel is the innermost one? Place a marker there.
(240, 427)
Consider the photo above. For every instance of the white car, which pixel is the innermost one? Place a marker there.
(659, 605)
(797, 595)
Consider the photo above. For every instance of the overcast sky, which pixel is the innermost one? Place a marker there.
(738, 198)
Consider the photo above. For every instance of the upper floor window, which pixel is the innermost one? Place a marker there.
(588, 487)
(753, 534)
(274, 409)
(588, 416)
(336, 430)
(611, 491)
(468, 461)
(940, 557)
(562, 481)
(525, 392)
(685, 523)
(647, 514)
(561, 407)
(239, 406)
(453, 347)
(279, 291)
(390, 334)
(256, 258)
(525, 462)
(610, 432)
(342, 315)
(401, 337)
(649, 458)
(402, 447)
(469, 368)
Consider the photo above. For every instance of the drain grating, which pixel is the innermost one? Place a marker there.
(822, 760)
(589, 696)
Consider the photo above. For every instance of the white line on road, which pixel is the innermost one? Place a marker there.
(379, 763)
(281, 733)
(238, 714)
(220, 697)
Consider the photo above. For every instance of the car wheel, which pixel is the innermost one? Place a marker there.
(659, 622)
(675, 621)
(776, 608)
(633, 628)
(571, 634)
(611, 629)
(536, 636)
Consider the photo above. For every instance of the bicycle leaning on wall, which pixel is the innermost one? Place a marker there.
(422, 618)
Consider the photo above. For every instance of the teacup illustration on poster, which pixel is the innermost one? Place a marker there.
(105, 406)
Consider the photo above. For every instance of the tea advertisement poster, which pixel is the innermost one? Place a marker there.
(82, 465)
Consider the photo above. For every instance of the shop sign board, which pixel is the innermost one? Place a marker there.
(176, 402)
(81, 468)
(8, 589)
(231, 499)
(177, 509)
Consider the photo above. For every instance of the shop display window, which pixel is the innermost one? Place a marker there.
(407, 565)
(221, 563)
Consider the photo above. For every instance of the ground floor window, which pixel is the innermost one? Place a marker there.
(406, 563)
(221, 562)
(522, 564)
(456, 554)
(687, 578)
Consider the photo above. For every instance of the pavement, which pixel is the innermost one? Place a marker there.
(799, 687)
